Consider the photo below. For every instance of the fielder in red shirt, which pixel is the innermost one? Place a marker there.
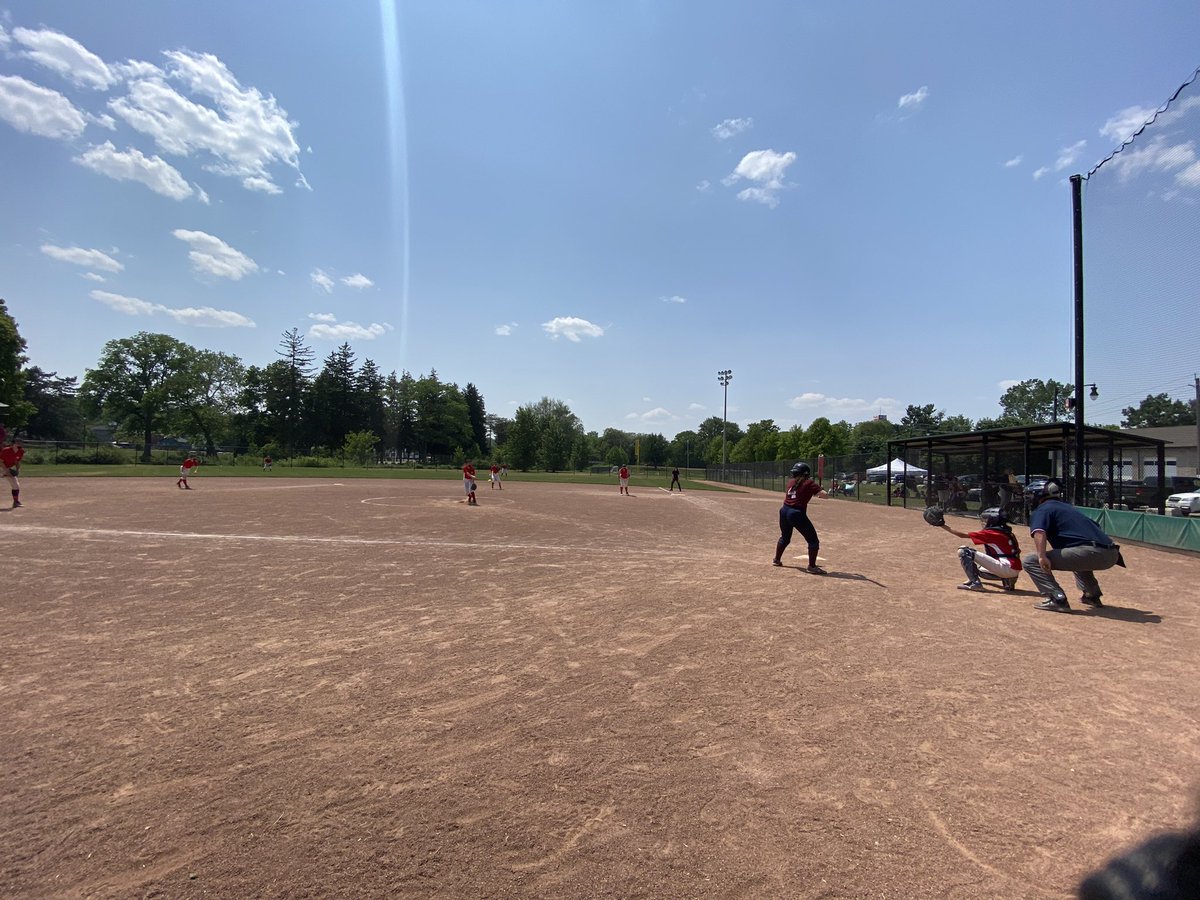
(10, 462)
(623, 480)
(186, 469)
(496, 483)
(469, 484)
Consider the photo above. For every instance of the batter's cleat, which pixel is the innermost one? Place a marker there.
(1093, 602)
(971, 586)
(17, 504)
(1050, 604)
(776, 562)
(816, 570)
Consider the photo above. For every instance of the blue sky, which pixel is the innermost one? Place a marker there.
(855, 207)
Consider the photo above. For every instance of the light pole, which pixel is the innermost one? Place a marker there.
(723, 378)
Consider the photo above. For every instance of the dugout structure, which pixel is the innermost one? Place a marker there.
(1106, 455)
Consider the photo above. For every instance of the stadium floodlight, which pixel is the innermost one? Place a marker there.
(723, 378)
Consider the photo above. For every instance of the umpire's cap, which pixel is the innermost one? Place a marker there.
(1048, 491)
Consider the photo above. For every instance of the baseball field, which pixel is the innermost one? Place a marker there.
(304, 688)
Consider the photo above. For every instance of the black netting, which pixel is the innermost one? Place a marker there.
(1141, 245)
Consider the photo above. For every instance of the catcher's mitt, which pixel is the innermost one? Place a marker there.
(934, 516)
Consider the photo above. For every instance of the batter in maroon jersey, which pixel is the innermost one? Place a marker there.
(793, 515)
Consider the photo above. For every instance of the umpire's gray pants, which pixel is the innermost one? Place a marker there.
(1083, 561)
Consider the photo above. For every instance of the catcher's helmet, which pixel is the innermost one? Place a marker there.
(801, 470)
(995, 520)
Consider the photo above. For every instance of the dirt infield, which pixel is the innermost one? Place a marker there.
(298, 688)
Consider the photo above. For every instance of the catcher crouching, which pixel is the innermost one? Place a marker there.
(993, 554)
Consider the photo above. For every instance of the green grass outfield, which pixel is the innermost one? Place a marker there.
(646, 481)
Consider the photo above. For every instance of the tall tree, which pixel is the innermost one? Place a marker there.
(524, 437)
(655, 449)
(869, 440)
(759, 443)
(370, 389)
(824, 437)
(56, 415)
(1032, 402)
(477, 416)
(400, 414)
(1159, 411)
(204, 392)
(132, 383)
(291, 394)
(919, 420)
(334, 400)
(12, 375)
(684, 448)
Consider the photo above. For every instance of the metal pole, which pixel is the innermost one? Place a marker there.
(1077, 247)
(723, 378)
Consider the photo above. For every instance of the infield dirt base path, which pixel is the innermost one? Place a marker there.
(296, 688)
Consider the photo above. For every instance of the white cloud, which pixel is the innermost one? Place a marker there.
(204, 316)
(1007, 383)
(245, 132)
(571, 328)
(38, 110)
(915, 100)
(207, 317)
(505, 330)
(696, 407)
(321, 280)
(704, 186)
(323, 317)
(212, 255)
(131, 306)
(1068, 155)
(1122, 126)
(346, 330)
(5, 40)
(1015, 161)
(1157, 155)
(92, 276)
(844, 407)
(78, 256)
(154, 172)
(1189, 177)
(765, 167)
(1038, 173)
(675, 298)
(656, 416)
(731, 127)
(65, 56)
(358, 281)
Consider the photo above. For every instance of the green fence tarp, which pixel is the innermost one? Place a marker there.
(1177, 532)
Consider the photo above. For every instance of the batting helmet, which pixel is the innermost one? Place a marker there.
(801, 470)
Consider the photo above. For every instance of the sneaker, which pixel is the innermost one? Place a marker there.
(1093, 602)
(17, 503)
(1053, 605)
(776, 562)
(1008, 584)
(817, 570)
(971, 586)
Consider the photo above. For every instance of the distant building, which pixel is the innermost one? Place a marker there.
(1181, 452)
(882, 417)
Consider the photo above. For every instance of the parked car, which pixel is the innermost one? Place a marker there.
(1128, 492)
(1188, 501)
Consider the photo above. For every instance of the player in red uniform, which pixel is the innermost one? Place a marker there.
(186, 469)
(496, 483)
(10, 462)
(623, 479)
(793, 515)
(1000, 557)
(469, 483)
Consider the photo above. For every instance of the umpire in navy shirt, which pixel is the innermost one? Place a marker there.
(1075, 544)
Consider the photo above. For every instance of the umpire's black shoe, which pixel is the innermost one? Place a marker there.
(1052, 604)
(1093, 602)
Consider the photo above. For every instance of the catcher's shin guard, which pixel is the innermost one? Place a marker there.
(966, 557)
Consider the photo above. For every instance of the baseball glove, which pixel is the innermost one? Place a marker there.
(934, 516)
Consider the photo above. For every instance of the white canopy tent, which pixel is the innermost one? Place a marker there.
(898, 468)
